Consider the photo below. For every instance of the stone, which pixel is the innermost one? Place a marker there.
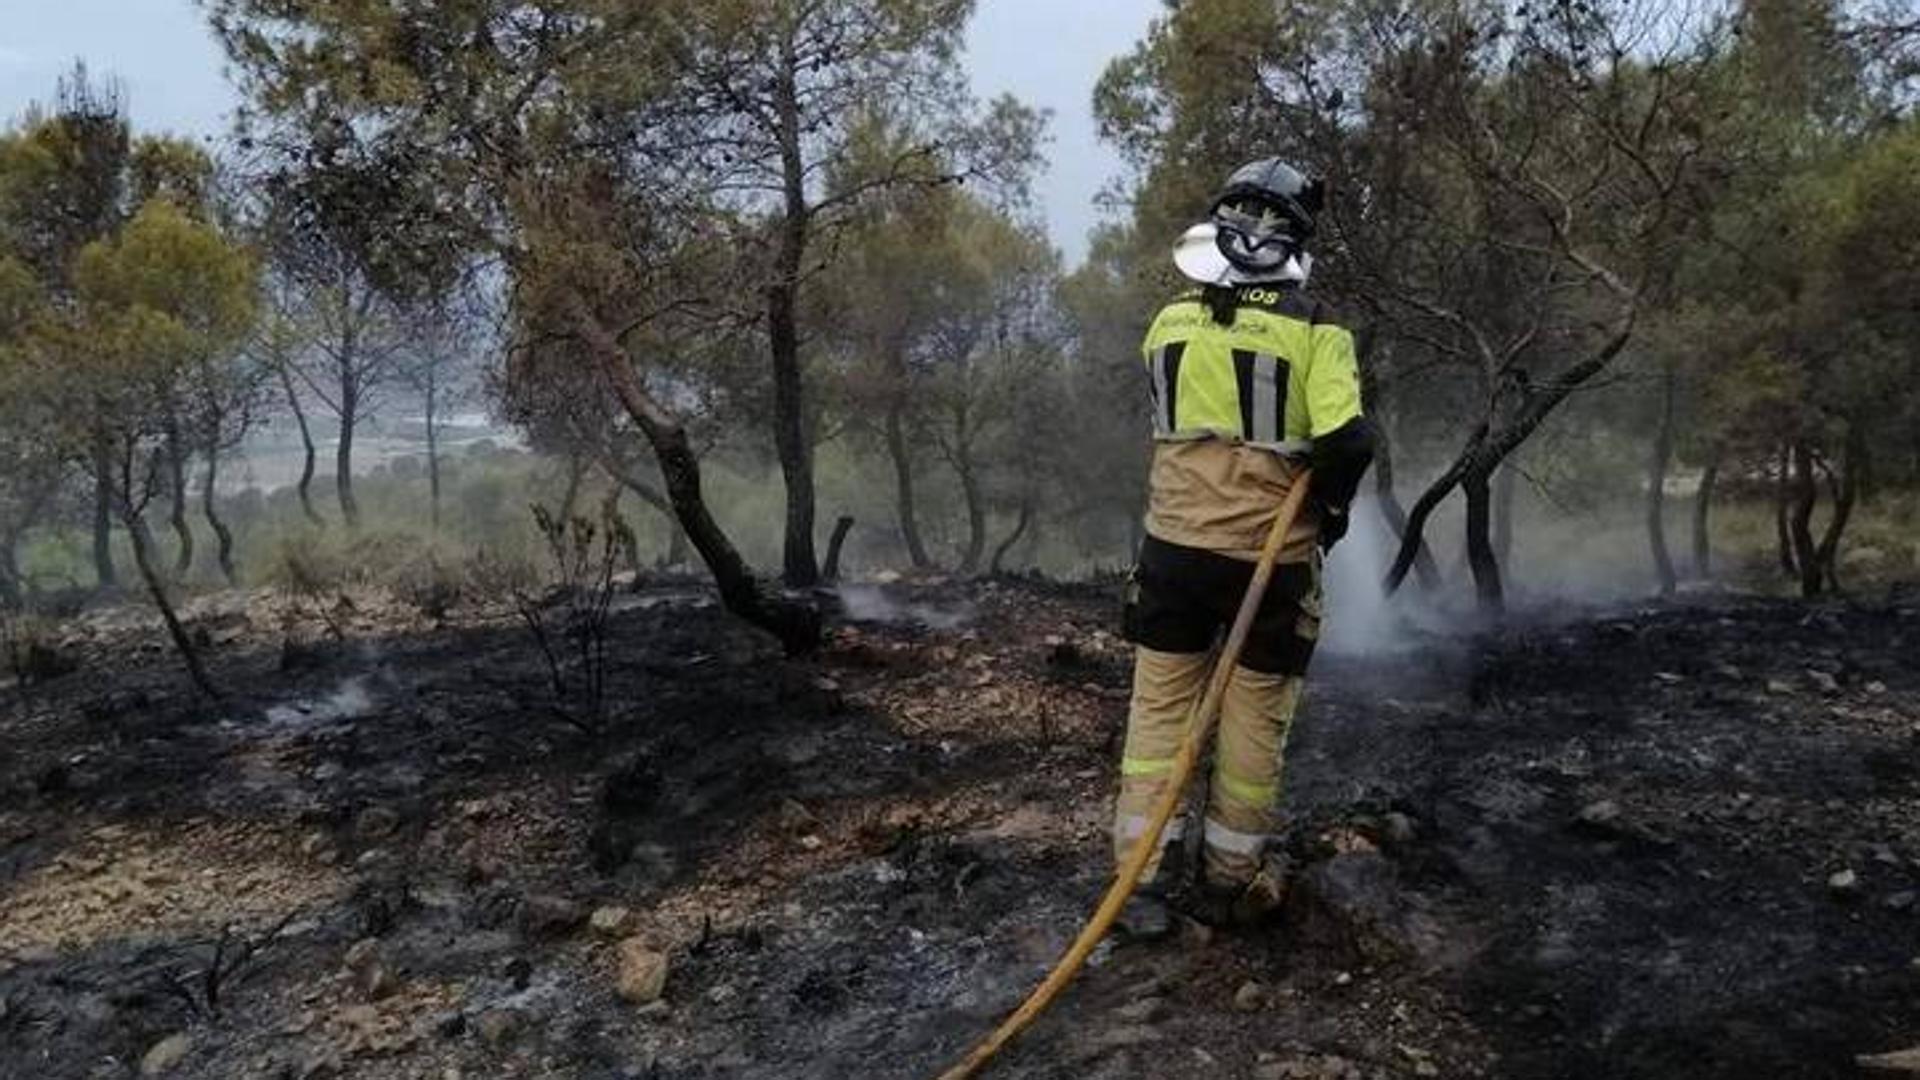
(165, 1054)
(1250, 998)
(498, 1026)
(1398, 828)
(1844, 882)
(376, 982)
(363, 954)
(376, 823)
(610, 920)
(1824, 682)
(547, 915)
(1600, 814)
(643, 971)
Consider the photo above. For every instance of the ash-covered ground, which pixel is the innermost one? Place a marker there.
(1675, 841)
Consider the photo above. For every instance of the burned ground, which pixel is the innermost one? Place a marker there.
(1678, 841)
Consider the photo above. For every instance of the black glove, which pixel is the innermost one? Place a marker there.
(1339, 458)
(1333, 525)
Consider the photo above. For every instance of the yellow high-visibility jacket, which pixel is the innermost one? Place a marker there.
(1277, 378)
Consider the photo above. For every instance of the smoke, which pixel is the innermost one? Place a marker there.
(1360, 618)
(870, 603)
(349, 701)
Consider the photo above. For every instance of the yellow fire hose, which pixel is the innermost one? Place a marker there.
(1199, 728)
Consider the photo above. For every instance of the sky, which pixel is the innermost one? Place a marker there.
(1048, 53)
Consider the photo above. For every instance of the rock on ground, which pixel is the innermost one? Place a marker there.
(165, 1054)
(643, 971)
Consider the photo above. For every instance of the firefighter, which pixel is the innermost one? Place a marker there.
(1251, 382)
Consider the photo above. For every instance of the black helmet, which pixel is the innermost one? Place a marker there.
(1264, 215)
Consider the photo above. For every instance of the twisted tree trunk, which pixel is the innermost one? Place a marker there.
(1800, 522)
(1783, 512)
(994, 566)
(1487, 446)
(835, 544)
(343, 454)
(308, 464)
(208, 505)
(1702, 511)
(1846, 492)
(157, 590)
(976, 516)
(901, 456)
(176, 454)
(796, 624)
(1487, 587)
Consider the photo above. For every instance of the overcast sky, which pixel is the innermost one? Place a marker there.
(1046, 52)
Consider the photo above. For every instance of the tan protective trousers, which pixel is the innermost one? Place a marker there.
(1256, 715)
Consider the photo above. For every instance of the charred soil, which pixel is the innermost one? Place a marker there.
(1681, 841)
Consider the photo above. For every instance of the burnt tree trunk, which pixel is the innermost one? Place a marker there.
(1485, 564)
(176, 453)
(835, 544)
(1426, 571)
(1702, 514)
(794, 449)
(1846, 493)
(1656, 510)
(343, 454)
(223, 536)
(995, 565)
(1486, 447)
(1800, 521)
(1782, 511)
(901, 455)
(157, 590)
(103, 569)
(796, 625)
(308, 465)
(570, 495)
(976, 514)
(1412, 540)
